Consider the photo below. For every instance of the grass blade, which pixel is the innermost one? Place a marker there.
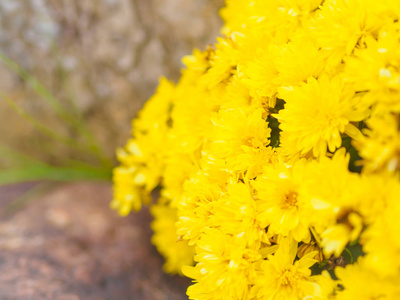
(46, 130)
(75, 121)
(44, 172)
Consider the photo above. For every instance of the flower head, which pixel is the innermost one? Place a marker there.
(315, 115)
(282, 278)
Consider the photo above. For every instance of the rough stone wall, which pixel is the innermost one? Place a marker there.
(101, 58)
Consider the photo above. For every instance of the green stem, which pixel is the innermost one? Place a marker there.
(351, 255)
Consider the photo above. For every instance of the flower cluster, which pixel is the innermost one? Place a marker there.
(277, 155)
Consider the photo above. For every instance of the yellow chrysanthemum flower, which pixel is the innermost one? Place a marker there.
(379, 80)
(177, 253)
(380, 147)
(196, 205)
(298, 60)
(315, 115)
(225, 267)
(237, 215)
(380, 240)
(127, 194)
(341, 25)
(282, 203)
(360, 282)
(282, 278)
(240, 138)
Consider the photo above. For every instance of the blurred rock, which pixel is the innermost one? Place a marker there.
(101, 58)
(69, 245)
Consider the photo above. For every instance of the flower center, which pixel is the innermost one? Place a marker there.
(253, 143)
(289, 200)
(288, 278)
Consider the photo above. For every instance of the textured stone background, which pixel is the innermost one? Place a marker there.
(102, 59)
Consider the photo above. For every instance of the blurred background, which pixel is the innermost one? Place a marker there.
(100, 58)
(73, 75)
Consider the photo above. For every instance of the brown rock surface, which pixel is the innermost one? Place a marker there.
(67, 244)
